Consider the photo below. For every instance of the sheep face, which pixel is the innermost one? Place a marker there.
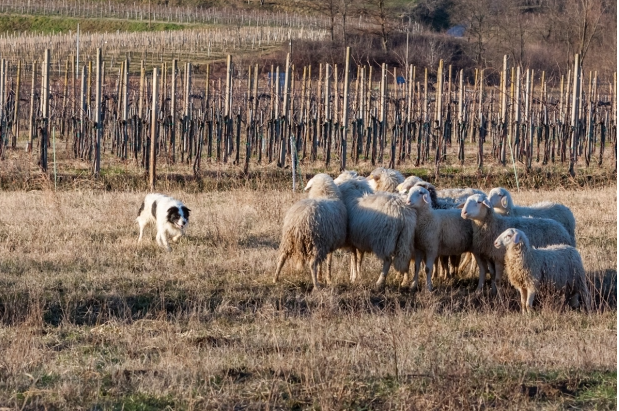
(417, 196)
(498, 197)
(475, 208)
(509, 236)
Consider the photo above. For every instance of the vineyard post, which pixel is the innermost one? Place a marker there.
(383, 111)
(284, 117)
(504, 123)
(439, 118)
(65, 93)
(173, 108)
(3, 109)
(82, 111)
(153, 135)
(327, 133)
(318, 122)
(97, 118)
(461, 125)
(575, 111)
(16, 111)
(482, 126)
(345, 111)
(187, 112)
(516, 105)
(44, 111)
(125, 97)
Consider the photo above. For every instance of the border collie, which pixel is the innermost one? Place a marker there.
(168, 214)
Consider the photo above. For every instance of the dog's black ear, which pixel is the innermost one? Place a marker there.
(185, 211)
(141, 209)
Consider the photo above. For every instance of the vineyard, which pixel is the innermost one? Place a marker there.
(246, 115)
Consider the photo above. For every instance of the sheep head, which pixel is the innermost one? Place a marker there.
(499, 198)
(476, 207)
(510, 236)
(418, 197)
(409, 182)
(321, 186)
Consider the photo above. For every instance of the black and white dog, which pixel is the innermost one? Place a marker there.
(168, 214)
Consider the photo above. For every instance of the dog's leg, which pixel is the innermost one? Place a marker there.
(141, 224)
(163, 238)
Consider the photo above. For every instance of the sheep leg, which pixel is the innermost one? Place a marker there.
(360, 255)
(314, 267)
(280, 263)
(455, 263)
(329, 261)
(429, 265)
(523, 299)
(481, 263)
(498, 273)
(418, 258)
(380, 284)
(353, 266)
(530, 299)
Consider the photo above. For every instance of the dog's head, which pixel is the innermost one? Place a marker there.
(178, 216)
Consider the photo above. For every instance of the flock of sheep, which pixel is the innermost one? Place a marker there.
(400, 220)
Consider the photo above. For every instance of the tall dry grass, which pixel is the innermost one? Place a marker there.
(90, 319)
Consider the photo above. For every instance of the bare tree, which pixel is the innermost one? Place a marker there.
(330, 9)
(479, 17)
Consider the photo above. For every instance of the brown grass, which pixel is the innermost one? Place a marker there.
(91, 320)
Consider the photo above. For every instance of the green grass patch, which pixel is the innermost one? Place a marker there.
(46, 24)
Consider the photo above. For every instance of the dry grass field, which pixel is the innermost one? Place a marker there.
(91, 320)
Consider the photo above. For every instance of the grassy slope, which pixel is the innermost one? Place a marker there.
(103, 321)
(47, 24)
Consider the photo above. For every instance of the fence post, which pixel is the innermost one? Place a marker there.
(345, 111)
(44, 111)
(153, 135)
(16, 111)
(98, 125)
(575, 111)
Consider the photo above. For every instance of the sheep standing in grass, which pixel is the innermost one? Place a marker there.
(528, 268)
(438, 233)
(314, 227)
(488, 225)
(380, 223)
(385, 179)
(503, 204)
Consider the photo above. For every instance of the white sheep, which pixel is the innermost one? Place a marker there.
(438, 233)
(503, 204)
(487, 225)
(385, 179)
(457, 195)
(528, 268)
(380, 223)
(314, 227)
(407, 184)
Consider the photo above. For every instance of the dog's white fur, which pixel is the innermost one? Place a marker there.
(170, 217)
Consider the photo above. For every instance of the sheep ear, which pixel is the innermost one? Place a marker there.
(504, 202)
(426, 198)
(461, 205)
(516, 238)
(486, 203)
